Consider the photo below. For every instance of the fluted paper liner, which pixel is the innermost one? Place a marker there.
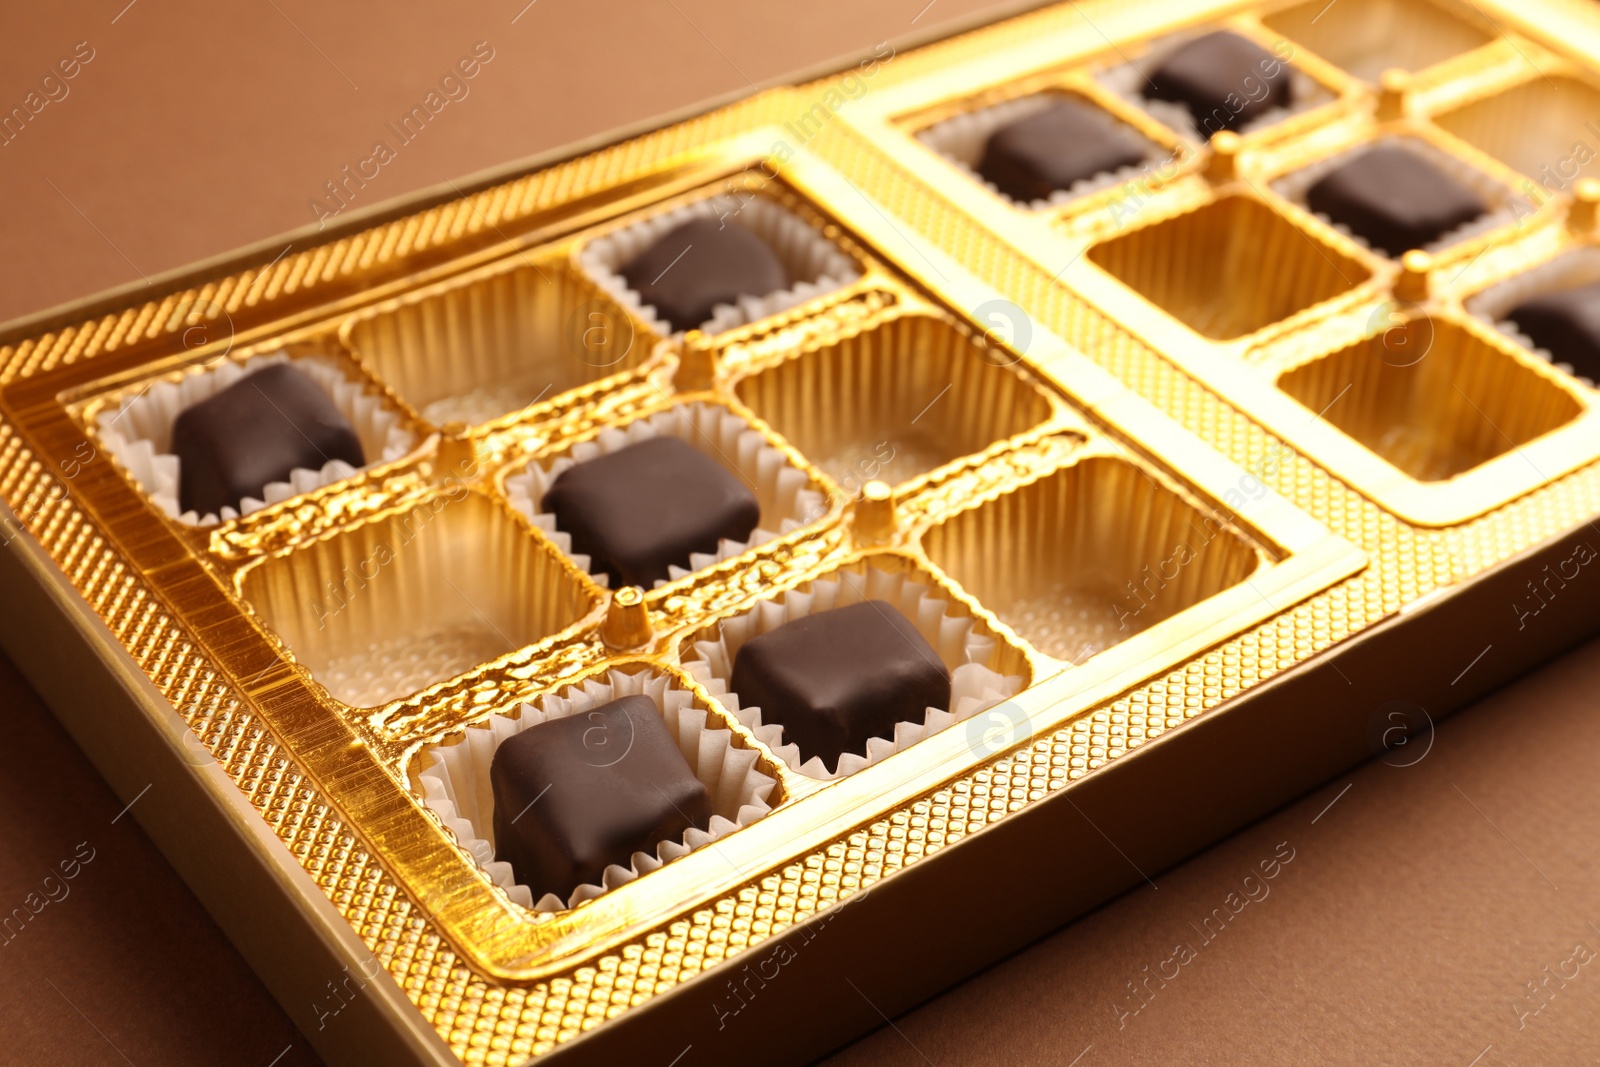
(1503, 206)
(814, 263)
(964, 651)
(1130, 79)
(962, 138)
(781, 489)
(138, 433)
(454, 778)
(1581, 266)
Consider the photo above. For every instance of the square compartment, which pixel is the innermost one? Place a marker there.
(1131, 79)
(393, 606)
(1536, 128)
(1574, 268)
(962, 139)
(1463, 402)
(815, 255)
(1431, 162)
(1229, 268)
(1367, 37)
(451, 776)
(986, 667)
(135, 426)
(788, 496)
(896, 400)
(1088, 556)
(478, 348)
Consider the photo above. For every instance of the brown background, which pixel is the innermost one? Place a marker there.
(1419, 902)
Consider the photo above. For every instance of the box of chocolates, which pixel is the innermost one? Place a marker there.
(689, 600)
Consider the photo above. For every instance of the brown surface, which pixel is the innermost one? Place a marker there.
(1403, 930)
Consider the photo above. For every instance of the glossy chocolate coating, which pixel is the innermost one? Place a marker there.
(574, 795)
(1565, 323)
(703, 263)
(1223, 79)
(1055, 148)
(641, 509)
(833, 679)
(1394, 199)
(256, 431)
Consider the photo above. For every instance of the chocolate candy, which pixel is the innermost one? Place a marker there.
(257, 430)
(1223, 79)
(637, 511)
(1394, 199)
(833, 679)
(1565, 323)
(1055, 148)
(701, 264)
(574, 795)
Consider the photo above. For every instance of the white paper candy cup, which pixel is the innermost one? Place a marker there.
(961, 139)
(1500, 200)
(1131, 80)
(1581, 266)
(787, 501)
(815, 264)
(455, 785)
(973, 686)
(138, 432)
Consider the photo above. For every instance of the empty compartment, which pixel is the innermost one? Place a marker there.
(896, 400)
(1367, 37)
(1229, 268)
(1547, 128)
(1433, 399)
(476, 349)
(393, 606)
(1088, 556)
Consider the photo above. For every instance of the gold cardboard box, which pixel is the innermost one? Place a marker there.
(1228, 499)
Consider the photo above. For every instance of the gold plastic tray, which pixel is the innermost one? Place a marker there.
(1179, 401)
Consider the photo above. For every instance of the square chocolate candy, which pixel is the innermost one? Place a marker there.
(574, 795)
(703, 263)
(1223, 79)
(639, 510)
(256, 431)
(1565, 323)
(1394, 199)
(1055, 148)
(834, 679)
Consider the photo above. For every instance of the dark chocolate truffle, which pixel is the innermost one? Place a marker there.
(574, 795)
(835, 678)
(1223, 79)
(701, 264)
(639, 510)
(1565, 323)
(257, 430)
(1394, 199)
(1063, 144)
